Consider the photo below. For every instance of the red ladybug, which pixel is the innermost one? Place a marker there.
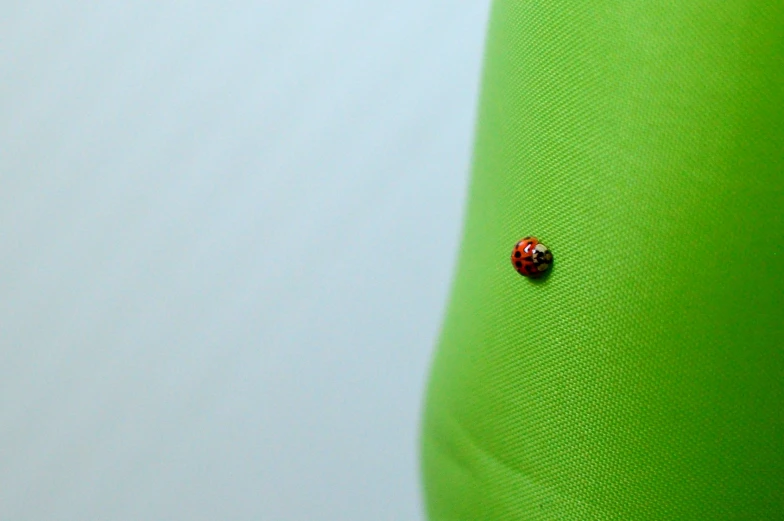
(530, 257)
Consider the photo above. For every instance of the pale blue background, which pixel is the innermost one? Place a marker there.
(227, 232)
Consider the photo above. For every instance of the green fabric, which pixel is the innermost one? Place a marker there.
(643, 379)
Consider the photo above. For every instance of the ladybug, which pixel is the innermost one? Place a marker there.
(530, 257)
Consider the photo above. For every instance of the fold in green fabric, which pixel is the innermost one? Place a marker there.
(643, 377)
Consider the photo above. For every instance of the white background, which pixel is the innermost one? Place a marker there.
(227, 234)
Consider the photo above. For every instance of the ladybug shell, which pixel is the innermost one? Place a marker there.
(531, 258)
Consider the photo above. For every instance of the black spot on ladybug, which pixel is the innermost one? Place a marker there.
(517, 254)
(529, 258)
(519, 264)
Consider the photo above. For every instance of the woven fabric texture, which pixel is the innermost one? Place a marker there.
(643, 379)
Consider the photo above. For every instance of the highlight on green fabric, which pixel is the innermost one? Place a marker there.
(643, 378)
